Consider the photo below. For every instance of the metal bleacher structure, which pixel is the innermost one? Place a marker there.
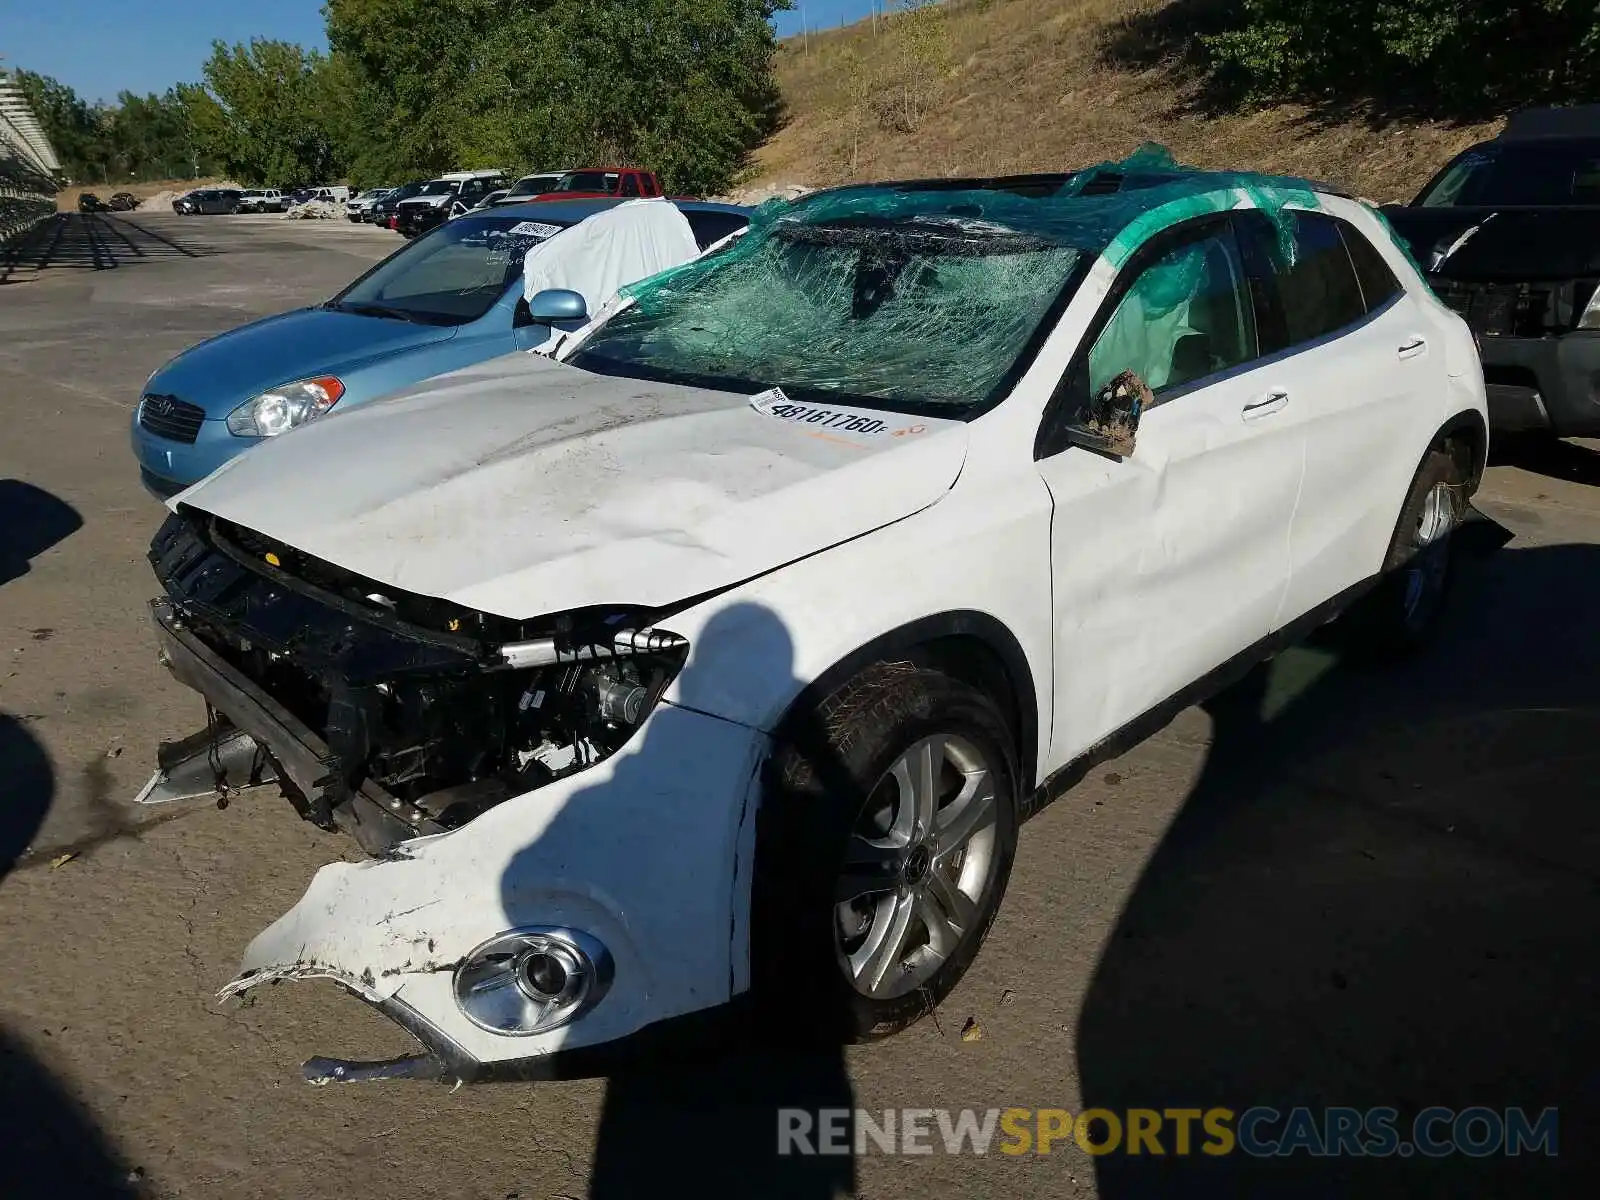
(28, 165)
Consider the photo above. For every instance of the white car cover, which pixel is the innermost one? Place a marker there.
(597, 258)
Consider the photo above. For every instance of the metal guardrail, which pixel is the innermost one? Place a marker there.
(28, 166)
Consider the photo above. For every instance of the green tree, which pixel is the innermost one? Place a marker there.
(269, 112)
(1455, 54)
(137, 138)
(681, 86)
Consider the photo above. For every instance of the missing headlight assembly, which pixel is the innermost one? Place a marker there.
(385, 714)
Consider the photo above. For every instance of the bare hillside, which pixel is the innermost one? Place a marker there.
(991, 86)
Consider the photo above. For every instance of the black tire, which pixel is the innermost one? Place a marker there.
(1402, 613)
(830, 764)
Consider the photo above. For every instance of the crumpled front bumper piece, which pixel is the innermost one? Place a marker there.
(649, 852)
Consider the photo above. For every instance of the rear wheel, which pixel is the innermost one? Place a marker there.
(1403, 612)
(884, 845)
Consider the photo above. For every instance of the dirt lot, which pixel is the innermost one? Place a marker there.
(1337, 885)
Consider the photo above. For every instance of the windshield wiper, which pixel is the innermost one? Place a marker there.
(379, 310)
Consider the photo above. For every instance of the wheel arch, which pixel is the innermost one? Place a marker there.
(1469, 429)
(974, 647)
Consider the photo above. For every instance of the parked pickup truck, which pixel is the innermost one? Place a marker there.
(597, 182)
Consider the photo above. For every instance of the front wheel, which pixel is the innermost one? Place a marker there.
(884, 846)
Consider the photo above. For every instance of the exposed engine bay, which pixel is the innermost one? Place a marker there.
(387, 714)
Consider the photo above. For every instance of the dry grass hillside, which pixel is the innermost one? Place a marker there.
(996, 86)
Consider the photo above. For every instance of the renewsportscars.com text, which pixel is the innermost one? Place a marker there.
(1260, 1131)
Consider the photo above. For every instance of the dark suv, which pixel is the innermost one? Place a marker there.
(208, 200)
(1508, 234)
(382, 213)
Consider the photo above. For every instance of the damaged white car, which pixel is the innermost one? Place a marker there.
(723, 660)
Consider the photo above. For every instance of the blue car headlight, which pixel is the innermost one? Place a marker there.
(280, 409)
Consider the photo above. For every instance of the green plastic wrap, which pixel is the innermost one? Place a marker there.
(923, 297)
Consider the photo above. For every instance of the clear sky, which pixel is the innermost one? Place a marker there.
(100, 47)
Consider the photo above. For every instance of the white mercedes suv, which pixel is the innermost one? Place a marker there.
(721, 657)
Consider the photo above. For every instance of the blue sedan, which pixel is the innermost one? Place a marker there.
(438, 304)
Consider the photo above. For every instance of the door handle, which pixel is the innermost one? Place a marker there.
(1412, 347)
(1266, 406)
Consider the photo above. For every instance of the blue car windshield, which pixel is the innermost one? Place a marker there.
(450, 277)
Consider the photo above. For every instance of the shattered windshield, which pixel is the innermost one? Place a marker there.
(452, 276)
(919, 314)
(1555, 173)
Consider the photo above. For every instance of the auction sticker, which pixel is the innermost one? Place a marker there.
(536, 229)
(852, 426)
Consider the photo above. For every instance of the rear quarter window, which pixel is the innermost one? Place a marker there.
(1377, 281)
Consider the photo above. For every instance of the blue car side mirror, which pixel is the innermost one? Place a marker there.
(557, 304)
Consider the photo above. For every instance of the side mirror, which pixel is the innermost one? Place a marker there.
(550, 306)
(1108, 422)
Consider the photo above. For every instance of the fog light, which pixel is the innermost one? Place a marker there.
(532, 980)
(543, 976)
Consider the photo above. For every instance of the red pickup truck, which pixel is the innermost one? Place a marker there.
(592, 183)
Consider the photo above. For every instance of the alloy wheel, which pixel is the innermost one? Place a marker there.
(918, 868)
(1429, 564)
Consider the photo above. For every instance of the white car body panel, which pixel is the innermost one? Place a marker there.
(524, 487)
(584, 852)
(1364, 403)
(1170, 562)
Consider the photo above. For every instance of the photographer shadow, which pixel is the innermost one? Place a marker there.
(1383, 890)
(693, 1103)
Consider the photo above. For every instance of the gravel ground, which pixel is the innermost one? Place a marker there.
(1335, 885)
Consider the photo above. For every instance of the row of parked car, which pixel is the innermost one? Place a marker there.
(414, 208)
(213, 201)
(718, 652)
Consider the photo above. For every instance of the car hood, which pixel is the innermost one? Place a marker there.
(1505, 245)
(523, 487)
(225, 370)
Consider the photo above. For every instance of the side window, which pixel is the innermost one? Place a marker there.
(1317, 293)
(1378, 284)
(1187, 314)
(630, 185)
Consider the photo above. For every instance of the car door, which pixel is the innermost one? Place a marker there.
(1357, 347)
(1168, 563)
